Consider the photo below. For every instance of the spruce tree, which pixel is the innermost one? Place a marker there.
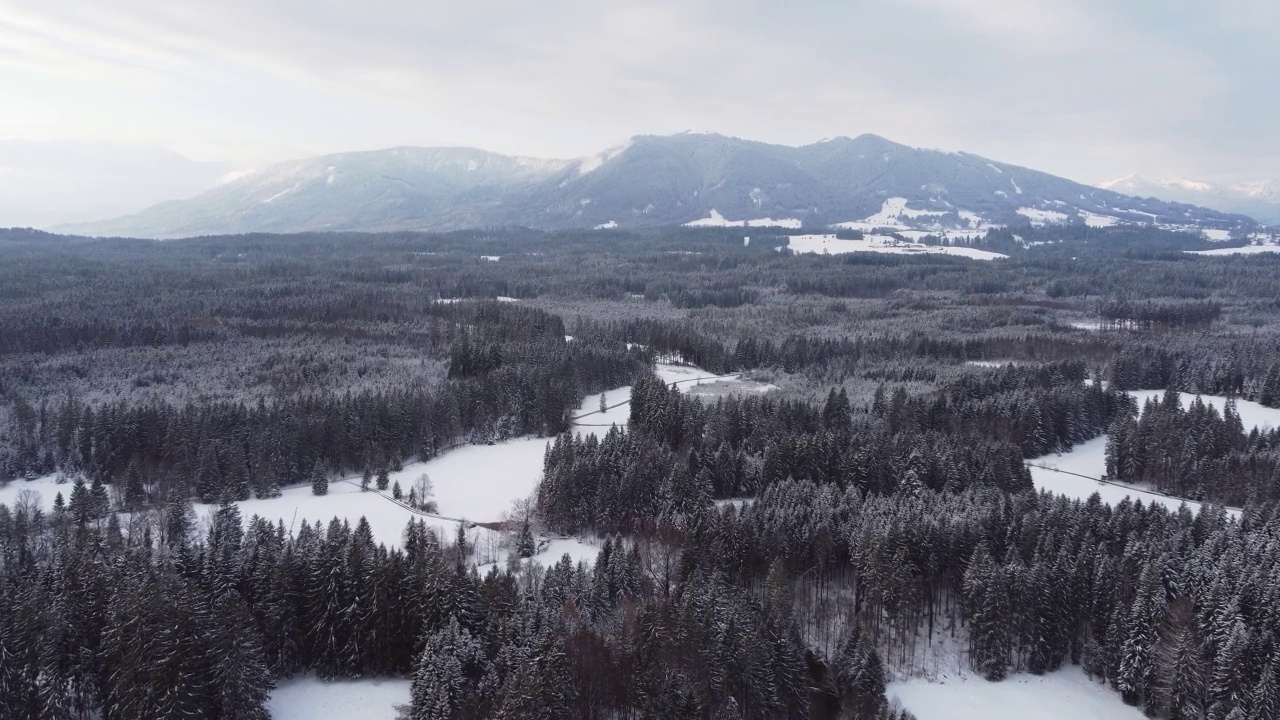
(319, 480)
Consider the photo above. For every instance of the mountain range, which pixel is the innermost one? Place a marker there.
(1259, 200)
(649, 181)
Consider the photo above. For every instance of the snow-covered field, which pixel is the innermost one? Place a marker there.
(1217, 235)
(1098, 221)
(831, 245)
(1041, 217)
(1067, 694)
(718, 220)
(1246, 250)
(311, 699)
(500, 298)
(1089, 458)
(46, 488)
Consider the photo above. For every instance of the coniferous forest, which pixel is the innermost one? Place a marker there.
(779, 554)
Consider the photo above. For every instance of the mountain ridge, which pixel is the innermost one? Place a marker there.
(651, 180)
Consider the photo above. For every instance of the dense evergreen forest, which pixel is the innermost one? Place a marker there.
(770, 555)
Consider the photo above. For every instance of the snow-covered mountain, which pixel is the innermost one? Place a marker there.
(650, 181)
(1259, 199)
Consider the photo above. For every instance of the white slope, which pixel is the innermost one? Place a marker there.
(1216, 235)
(832, 245)
(1067, 694)
(1040, 218)
(1098, 221)
(718, 220)
(311, 699)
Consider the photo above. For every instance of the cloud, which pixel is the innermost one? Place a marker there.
(1085, 88)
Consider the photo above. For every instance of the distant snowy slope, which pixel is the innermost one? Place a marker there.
(1259, 200)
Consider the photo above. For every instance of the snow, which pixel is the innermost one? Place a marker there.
(280, 194)
(1016, 189)
(594, 162)
(500, 298)
(607, 226)
(831, 245)
(718, 220)
(1246, 250)
(1067, 694)
(993, 167)
(1040, 217)
(491, 258)
(46, 487)
(1086, 325)
(311, 699)
(1098, 221)
(1252, 415)
(1216, 235)
(479, 482)
(991, 363)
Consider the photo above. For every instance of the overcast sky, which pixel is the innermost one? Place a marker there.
(1088, 89)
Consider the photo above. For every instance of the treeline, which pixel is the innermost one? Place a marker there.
(1176, 612)
(1238, 366)
(1196, 452)
(512, 374)
(137, 626)
(678, 455)
(1122, 313)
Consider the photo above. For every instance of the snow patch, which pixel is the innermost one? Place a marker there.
(1067, 694)
(309, 698)
(1216, 235)
(1038, 218)
(1246, 250)
(607, 226)
(1098, 221)
(832, 245)
(718, 220)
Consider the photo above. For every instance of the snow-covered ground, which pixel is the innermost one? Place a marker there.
(311, 699)
(479, 482)
(1067, 694)
(1251, 413)
(1217, 235)
(500, 298)
(1089, 458)
(1246, 250)
(46, 489)
(718, 220)
(1041, 217)
(831, 245)
(1098, 221)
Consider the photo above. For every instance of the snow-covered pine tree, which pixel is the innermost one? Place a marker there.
(319, 479)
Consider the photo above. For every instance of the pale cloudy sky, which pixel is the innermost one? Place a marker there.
(1089, 89)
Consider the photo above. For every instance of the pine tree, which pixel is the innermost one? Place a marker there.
(396, 492)
(241, 678)
(319, 480)
(1264, 701)
(525, 545)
